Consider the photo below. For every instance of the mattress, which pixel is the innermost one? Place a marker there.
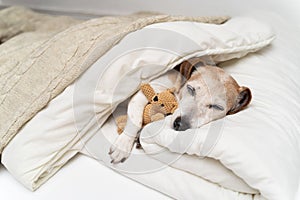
(171, 175)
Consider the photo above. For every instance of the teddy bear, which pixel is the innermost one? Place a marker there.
(159, 105)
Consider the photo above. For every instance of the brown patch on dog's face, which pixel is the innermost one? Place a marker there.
(209, 94)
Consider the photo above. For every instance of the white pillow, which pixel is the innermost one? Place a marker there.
(59, 131)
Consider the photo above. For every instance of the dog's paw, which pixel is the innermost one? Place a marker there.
(121, 148)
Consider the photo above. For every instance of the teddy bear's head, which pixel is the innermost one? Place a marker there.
(166, 100)
(160, 104)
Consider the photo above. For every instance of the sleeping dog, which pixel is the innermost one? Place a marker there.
(205, 93)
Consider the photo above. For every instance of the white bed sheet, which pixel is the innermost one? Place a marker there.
(81, 178)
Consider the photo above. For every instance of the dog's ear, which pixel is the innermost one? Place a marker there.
(187, 67)
(242, 100)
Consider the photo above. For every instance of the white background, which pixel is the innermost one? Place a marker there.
(288, 8)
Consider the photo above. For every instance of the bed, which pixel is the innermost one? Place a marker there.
(279, 51)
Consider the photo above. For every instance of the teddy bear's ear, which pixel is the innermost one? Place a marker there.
(148, 91)
(172, 90)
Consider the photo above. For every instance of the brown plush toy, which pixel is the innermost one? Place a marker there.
(159, 105)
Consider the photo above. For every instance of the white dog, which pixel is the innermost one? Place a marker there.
(205, 93)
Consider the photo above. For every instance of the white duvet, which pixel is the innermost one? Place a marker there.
(254, 155)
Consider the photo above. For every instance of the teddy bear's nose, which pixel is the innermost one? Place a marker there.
(155, 98)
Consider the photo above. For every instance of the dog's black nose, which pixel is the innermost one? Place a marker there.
(177, 123)
(181, 124)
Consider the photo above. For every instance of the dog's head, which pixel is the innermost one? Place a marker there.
(209, 93)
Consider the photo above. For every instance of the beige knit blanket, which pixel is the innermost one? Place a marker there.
(40, 55)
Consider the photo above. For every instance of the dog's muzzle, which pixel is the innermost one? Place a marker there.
(180, 125)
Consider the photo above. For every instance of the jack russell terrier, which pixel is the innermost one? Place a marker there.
(205, 93)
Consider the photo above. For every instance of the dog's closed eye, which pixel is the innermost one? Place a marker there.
(191, 90)
(216, 107)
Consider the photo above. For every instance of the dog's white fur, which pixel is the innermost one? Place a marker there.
(205, 94)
